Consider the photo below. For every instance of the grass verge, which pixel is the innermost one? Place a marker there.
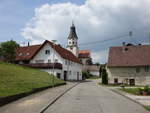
(16, 79)
(134, 91)
(94, 77)
(147, 107)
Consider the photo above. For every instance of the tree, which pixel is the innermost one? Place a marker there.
(86, 74)
(104, 76)
(8, 50)
(97, 63)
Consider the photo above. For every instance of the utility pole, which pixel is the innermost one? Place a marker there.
(149, 38)
(68, 62)
(54, 42)
(130, 35)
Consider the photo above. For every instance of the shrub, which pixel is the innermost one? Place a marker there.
(86, 74)
(104, 76)
(146, 88)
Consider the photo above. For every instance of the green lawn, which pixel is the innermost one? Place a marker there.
(147, 107)
(134, 91)
(16, 79)
(94, 77)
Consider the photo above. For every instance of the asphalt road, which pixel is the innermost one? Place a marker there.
(89, 97)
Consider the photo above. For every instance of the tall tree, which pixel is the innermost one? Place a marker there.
(104, 76)
(8, 50)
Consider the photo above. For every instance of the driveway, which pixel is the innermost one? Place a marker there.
(89, 97)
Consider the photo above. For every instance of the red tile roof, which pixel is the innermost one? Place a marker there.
(84, 54)
(129, 56)
(29, 52)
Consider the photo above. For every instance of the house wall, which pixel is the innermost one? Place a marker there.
(42, 56)
(95, 73)
(55, 72)
(141, 78)
(69, 66)
(74, 70)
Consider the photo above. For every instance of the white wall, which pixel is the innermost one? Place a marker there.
(42, 56)
(50, 71)
(72, 66)
(122, 73)
(95, 73)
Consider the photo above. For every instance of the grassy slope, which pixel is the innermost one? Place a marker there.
(16, 79)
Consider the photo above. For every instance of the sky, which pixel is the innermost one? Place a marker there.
(95, 21)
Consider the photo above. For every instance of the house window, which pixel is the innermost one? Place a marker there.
(132, 81)
(20, 54)
(49, 61)
(137, 69)
(58, 75)
(39, 61)
(70, 72)
(56, 60)
(146, 69)
(47, 52)
(66, 62)
(28, 54)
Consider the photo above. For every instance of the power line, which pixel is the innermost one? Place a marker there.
(101, 41)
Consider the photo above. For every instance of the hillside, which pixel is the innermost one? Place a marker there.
(16, 79)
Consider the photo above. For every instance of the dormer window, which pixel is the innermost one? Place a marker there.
(47, 52)
(20, 54)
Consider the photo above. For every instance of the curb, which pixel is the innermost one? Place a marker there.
(118, 92)
(51, 103)
(8, 99)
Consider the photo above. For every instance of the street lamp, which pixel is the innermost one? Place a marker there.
(54, 42)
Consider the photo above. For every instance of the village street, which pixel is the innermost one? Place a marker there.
(86, 97)
(89, 97)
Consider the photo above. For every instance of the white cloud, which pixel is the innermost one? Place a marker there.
(100, 56)
(94, 20)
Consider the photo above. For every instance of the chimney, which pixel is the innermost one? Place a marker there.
(28, 44)
(124, 48)
(124, 43)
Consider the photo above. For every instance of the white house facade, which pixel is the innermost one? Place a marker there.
(51, 58)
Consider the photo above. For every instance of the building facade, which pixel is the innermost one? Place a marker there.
(129, 64)
(51, 58)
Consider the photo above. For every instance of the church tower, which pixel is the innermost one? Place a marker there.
(73, 41)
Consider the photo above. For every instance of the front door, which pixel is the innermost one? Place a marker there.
(65, 75)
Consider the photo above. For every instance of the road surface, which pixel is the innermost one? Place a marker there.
(89, 97)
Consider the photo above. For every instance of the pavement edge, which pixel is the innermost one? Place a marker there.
(52, 102)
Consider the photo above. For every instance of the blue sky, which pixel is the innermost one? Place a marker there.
(95, 20)
(14, 14)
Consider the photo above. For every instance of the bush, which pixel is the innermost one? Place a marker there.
(104, 76)
(86, 75)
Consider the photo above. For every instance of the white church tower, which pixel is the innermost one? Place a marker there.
(73, 41)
